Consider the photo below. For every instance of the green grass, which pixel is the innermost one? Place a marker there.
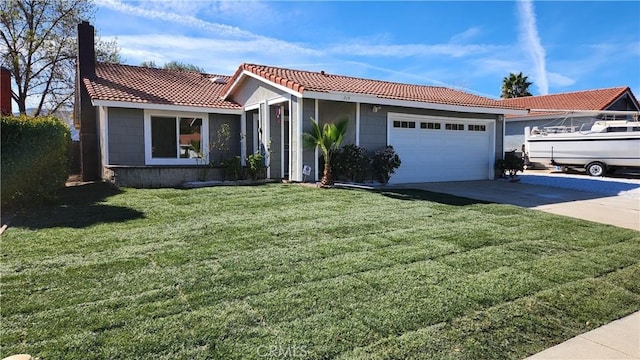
(287, 271)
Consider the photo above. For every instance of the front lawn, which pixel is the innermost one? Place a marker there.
(288, 271)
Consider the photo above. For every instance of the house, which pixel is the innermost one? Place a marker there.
(137, 124)
(571, 109)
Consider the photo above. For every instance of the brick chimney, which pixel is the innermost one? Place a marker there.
(5, 91)
(84, 111)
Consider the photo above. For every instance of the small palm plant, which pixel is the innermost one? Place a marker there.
(328, 139)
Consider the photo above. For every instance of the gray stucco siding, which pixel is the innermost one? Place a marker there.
(253, 91)
(217, 154)
(334, 111)
(126, 136)
(373, 128)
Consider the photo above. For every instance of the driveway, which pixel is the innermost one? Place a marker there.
(617, 210)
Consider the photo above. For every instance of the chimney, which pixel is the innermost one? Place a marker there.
(86, 50)
(84, 111)
(5, 91)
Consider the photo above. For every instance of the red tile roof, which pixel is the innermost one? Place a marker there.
(115, 82)
(301, 81)
(598, 99)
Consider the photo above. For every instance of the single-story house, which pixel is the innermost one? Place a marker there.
(577, 108)
(137, 124)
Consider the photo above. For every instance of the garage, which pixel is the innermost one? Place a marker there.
(441, 148)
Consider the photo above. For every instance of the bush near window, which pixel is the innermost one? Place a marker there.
(256, 166)
(352, 162)
(35, 158)
(233, 169)
(385, 162)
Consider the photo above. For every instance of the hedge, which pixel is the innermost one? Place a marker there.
(35, 159)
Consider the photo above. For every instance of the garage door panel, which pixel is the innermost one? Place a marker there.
(441, 155)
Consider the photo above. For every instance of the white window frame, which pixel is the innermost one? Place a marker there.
(204, 134)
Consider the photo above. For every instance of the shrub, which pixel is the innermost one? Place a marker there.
(510, 165)
(353, 162)
(35, 158)
(233, 168)
(255, 166)
(384, 163)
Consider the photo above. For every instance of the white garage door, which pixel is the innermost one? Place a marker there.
(441, 149)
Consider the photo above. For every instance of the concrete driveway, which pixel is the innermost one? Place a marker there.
(622, 211)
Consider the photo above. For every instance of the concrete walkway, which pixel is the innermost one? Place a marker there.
(617, 340)
(622, 211)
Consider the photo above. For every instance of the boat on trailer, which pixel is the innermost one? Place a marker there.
(606, 146)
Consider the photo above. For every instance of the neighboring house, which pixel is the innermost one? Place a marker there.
(571, 109)
(137, 123)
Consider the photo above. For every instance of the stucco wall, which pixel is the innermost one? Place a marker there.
(252, 91)
(215, 138)
(373, 128)
(126, 136)
(159, 176)
(333, 111)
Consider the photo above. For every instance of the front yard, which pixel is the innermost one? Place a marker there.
(287, 271)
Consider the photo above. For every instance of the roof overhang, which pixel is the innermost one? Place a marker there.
(165, 107)
(245, 73)
(373, 99)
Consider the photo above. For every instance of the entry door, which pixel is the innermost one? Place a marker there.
(257, 132)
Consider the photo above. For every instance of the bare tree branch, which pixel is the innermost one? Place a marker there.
(38, 46)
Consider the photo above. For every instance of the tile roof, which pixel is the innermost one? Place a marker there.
(598, 99)
(116, 82)
(301, 81)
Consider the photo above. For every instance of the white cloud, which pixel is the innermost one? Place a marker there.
(560, 80)
(531, 42)
(408, 50)
(465, 35)
(184, 19)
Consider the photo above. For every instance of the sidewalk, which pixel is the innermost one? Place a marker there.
(617, 340)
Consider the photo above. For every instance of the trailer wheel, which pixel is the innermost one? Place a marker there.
(596, 168)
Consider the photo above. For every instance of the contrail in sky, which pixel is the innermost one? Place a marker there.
(531, 41)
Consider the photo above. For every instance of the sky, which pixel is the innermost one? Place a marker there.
(470, 46)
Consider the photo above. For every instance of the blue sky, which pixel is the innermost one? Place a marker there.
(472, 46)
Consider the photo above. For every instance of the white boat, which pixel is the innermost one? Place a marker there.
(606, 146)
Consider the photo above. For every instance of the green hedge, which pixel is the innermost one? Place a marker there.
(35, 159)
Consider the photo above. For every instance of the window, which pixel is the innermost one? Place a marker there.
(477, 127)
(430, 125)
(180, 139)
(454, 126)
(404, 124)
(617, 129)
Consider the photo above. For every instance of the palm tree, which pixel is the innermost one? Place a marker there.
(515, 85)
(328, 139)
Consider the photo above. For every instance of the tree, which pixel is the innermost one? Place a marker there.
(515, 85)
(173, 65)
(328, 139)
(149, 64)
(39, 47)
